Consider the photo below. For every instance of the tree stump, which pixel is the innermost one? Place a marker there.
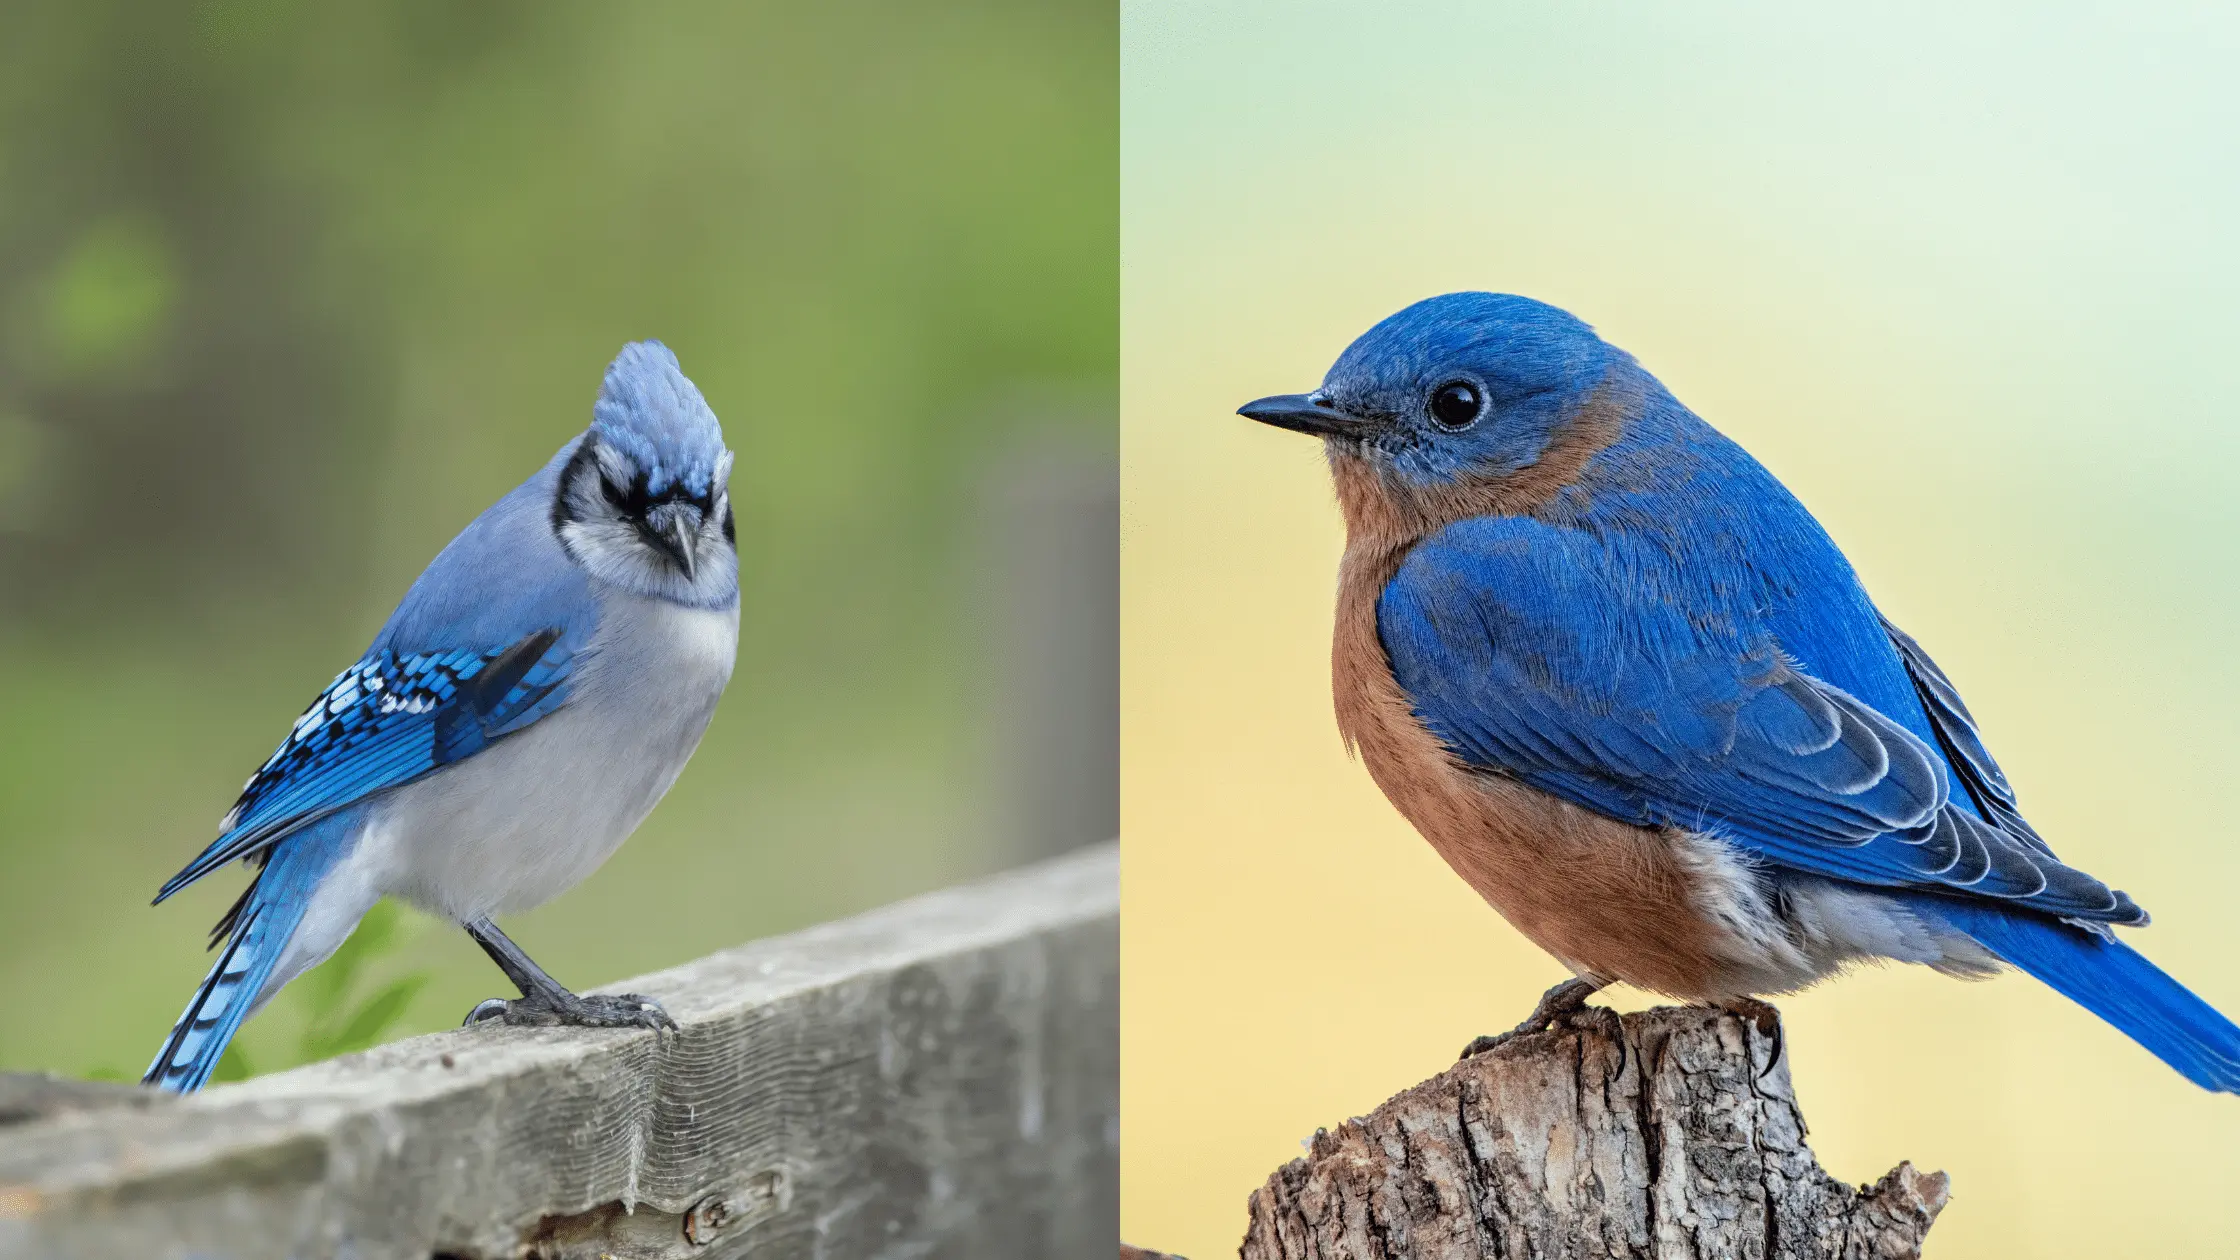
(1679, 1137)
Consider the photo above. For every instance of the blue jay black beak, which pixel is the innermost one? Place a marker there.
(1304, 413)
(674, 532)
(680, 543)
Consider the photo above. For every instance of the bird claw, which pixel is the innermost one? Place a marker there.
(1490, 1041)
(595, 1010)
(1558, 1006)
(485, 1011)
(1766, 1019)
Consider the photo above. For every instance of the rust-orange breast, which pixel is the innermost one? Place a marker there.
(1613, 901)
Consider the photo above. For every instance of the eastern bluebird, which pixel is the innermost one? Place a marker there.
(538, 690)
(1633, 694)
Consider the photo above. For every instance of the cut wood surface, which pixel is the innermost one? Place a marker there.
(938, 1078)
(1680, 1138)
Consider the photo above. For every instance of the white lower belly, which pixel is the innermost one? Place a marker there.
(530, 817)
(1811, 928)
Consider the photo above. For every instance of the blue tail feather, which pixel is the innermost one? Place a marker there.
(224, 999)
(2115, 982)
(264, 924)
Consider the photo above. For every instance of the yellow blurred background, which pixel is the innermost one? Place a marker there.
(1962, 277)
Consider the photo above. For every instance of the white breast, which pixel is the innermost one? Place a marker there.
(525, 820)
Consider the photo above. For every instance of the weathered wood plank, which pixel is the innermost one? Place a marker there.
(938, 1078)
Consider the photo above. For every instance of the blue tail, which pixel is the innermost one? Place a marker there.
(261, 926)
(2115, 982)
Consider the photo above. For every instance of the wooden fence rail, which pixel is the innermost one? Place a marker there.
(939, 1078)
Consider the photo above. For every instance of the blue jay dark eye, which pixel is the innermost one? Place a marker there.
(1456, 405)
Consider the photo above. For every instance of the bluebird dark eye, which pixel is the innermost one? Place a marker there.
(1456, 404)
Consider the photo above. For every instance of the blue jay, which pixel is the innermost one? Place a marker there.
(538, 690)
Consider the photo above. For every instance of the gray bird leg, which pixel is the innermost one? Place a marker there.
(1563, 1002)
(544, 1003)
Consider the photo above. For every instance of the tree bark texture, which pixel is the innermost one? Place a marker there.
(1678, 1137)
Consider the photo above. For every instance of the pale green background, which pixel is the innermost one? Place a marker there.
(290, 291)
(1962, 275)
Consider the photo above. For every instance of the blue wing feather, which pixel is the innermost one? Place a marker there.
(387, 720)
(1581, 662)
(1955, 730)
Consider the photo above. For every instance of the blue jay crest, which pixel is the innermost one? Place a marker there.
(645, 500)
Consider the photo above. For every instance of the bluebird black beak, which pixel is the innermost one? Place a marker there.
(1304, 413)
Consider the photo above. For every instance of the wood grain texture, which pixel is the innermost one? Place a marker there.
(938, 1078)
(1678, 1139)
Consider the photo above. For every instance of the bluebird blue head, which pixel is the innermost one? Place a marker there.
(643, 502)
(1468, 384)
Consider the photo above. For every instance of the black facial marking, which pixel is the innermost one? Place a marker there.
(638, 500)
(580, 464)
(730, 532)
(633, 501)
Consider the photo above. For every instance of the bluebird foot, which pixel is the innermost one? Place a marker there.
(1767, 1020)
(1564, 1004)
(565, 1009)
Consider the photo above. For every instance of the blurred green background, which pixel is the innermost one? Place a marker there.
(289, 292)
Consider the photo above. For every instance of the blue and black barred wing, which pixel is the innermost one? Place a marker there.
(388, 720)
